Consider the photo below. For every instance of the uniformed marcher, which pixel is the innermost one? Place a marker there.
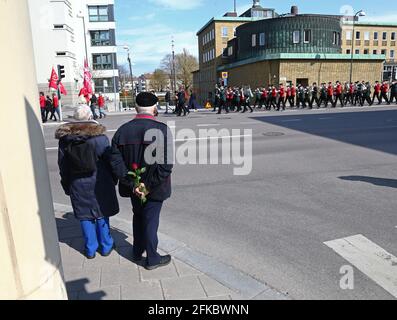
(393, 91)
(377, 89)
(330, 95)
(314, 91)
(323, 95)
(129, 151)
(367, 93)
(301, 97)
(359, 94)
(384, 89)
(338, 94)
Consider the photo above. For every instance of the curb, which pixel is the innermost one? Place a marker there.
(245, 286)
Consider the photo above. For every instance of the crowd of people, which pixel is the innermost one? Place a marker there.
(183, 101)
(49, 106)
(242, 99)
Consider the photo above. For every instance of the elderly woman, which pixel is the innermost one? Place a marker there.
(86, 177)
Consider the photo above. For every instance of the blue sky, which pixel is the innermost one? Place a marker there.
(148, 26)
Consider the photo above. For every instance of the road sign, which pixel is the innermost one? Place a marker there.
(225, 75)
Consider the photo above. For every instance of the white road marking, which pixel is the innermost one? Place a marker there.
(208, 125)
(291, 120)
(213, 138)
(370, 259)
(52, 148)
(325, 118)
(256, 122)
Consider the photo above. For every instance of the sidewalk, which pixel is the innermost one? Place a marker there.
(117, 278)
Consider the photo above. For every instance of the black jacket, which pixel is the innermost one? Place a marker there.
(92, 196)
(129, 145)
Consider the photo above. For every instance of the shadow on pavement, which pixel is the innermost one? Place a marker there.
(77, 290)
(381, 182)
(375, 130)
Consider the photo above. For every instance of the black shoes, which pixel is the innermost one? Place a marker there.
(164, 260)
(108, 253)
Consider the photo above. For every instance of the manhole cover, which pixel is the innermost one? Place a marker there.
(273, 134)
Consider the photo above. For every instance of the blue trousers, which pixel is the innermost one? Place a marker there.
(145, 226)
(97, 236)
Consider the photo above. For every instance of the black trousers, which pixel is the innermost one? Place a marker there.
(182, 107)
(301, 100)
(393, 96)
(314, 99)
(368, 99)
(145, 225)
(377, 95)
(223, 105)
(281, 101)
(358, 98)
(384, 96)
(340, 98)
(329, 99)
(43, 115)
(246, 104)
(291, 100)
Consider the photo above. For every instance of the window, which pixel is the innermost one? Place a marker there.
(348, 51)
(366, 36)
(384, 36)
(296, 36)
(230, 51)
(393, 36)
(262, 39)
(98, 13)
(348, 35)
(213, 33)
(375, 36)
(307, 36)
(100, 38)
(336, 38)
(102, 61)
(383, 51)
(234, 32)
(375, 52)
(358, 35)
(357, 51)
(392, 54)
(366, 51)
(104, 85)
(225, 32)
(254, 40)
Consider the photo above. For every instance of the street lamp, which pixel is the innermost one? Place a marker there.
(130, 64)
(360, 13)
(81, 15)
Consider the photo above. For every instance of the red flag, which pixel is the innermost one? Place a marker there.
(53, 80)
(87, 78)
(62, 89)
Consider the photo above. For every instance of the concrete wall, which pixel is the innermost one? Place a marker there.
(30, 263)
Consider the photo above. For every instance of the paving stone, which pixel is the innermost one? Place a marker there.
(69, 233)
(104, 293)
(183, 288)
(214, 288)
(185, 270)
(121, 274)
(112, 259)
(125, 255)
(166, 272)
(270, 295)
(72, 258)
(78, 244)
(121, 239)
(80, 279)
(64, 248)
(148, 290)
(73, 295)
(217, 298)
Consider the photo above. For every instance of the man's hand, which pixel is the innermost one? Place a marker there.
(138, 192)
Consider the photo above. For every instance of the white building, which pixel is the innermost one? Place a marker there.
(67, 31)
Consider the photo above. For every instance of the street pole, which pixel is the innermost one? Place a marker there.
(114, 85)
(360, 13)
(173, 66)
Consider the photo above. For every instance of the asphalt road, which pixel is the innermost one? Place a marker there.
(317, 176)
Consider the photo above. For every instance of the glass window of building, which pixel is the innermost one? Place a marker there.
(230, 51)
(100, 38)
(98, 13)
(102, 61)
(225, 32)
(296, 36)
(213, 33)
(393, 36)
(307, 36)
(383, 51)
(384, 36)
(262, 39)
(375, 36)
(254, 40)
(366, 36)
(348, 35)
(392, 54)
(357, 51)
(104, 85)
(348, 51)
(366, 51)
(358, 35)
(234, 31)
(375, 52)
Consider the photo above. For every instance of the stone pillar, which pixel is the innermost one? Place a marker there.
(30, 261)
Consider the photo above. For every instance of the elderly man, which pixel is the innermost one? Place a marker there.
(144, 143)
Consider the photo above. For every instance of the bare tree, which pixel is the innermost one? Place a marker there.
(159, 80)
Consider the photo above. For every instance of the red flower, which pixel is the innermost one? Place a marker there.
(135, 166)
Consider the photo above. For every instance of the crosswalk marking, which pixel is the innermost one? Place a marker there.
(372, 260)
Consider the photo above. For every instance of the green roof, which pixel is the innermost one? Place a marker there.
(303, 56)
(372, 23)
(228, 19)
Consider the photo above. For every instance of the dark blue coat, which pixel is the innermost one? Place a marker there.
(94, 196)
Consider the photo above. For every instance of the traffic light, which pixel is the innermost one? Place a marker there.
(61, 72)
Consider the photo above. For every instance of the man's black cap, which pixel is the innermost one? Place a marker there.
(146, 99)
